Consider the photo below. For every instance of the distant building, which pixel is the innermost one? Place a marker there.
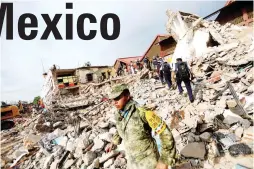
(126, 62)
(235, 12)
(68, 81)
(94, 73)
(162, 45)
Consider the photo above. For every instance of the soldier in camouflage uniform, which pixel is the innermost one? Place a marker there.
(134, 125)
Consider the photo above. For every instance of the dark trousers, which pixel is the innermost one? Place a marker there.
(161, 76)
(188, 87)
(167, 78)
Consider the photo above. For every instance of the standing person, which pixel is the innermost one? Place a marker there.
(167, 73)
(161, 76)
(134, 125)
(183, 74)
(138, 64)
(132, 68)
(146, 62)
(159, 64)
(155, 62)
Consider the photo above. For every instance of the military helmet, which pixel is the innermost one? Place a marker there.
(117, 90)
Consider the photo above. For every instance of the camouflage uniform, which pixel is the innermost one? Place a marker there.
(134, 126)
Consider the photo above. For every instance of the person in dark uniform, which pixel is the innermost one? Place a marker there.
(183, 74)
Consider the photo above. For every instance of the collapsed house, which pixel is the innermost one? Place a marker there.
(197, 37)
(60, 83)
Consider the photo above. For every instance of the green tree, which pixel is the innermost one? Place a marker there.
(36, 99)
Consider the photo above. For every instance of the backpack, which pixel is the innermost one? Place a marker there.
(183, 71)
(145, 60)
(155, 62)
(166, 68)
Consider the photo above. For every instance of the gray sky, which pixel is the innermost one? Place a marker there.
(21, 67)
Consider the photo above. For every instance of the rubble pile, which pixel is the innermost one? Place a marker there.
(77, 139)
(205, 129)
(65, 139)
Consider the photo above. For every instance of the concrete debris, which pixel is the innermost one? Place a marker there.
(108, 163)
(239, 132)
(239, 149)
(98, 144)
(195, 150)
(89, 157)
(206, 136)
(75, 129)
(107, 156)
(68, 164)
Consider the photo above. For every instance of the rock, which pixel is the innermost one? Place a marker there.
(215, 77)
(239, 132)
(176, 135)
(195, 150)
(227, 47)
(193, 138)
(54, 164)
(58, 124)
(83, 166)
(232, 105)
(154, 96)
(2, 163)
(103, 125)
(70, 145)
(239, 149)
(78, 153)
(68, 164)
(98, 144)
(95, 164)
(120, 162)
(79, 163)
(30, 140)
(108, 163)
(83, 124)
(82, 141)
(112, 130)
(230, 118)
(48, 161)
(105, 136)
(89, 157)
(107, 156)
(205, 136)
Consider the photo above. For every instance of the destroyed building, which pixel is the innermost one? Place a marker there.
(62, 82)
(94, 73)
(59, 82)
(162, 45)
(236, 12)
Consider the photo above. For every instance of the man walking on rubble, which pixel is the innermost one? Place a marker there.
(167, 73)
(184, 74)
(134, 125)
(154, 63)
(161, 75)
(146, 63)
(138, 64)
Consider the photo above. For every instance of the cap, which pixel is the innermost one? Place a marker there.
(117, 90)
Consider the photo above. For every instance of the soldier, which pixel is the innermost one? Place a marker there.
(134, 125)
